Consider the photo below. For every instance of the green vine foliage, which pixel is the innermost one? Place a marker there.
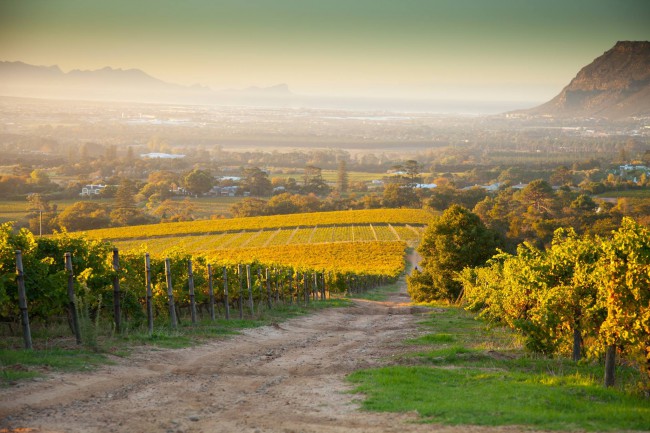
(581, 294)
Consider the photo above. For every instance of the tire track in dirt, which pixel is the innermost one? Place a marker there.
(282, 378)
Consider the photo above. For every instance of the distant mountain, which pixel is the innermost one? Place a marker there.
(613, 86)
(109, 84)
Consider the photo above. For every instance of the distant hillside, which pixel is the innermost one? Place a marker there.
(613, 86)
(108, 84)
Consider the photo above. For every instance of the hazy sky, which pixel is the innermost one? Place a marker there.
(450, 49)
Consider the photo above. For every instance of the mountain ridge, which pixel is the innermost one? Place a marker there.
(21, 79)
(614, 85)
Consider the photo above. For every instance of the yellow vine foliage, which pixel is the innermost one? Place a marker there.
(417, 217)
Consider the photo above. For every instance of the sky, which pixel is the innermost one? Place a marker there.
(501, 50)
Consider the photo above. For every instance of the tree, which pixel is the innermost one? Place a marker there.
(249, 207)
(282, 204)
(42, 214)
(125, 212)
(562, 175)
(124, 195)
(256, 182)
(412, 170)
(454, 240)
(171, 210)
(83, 215)
(342, 178)
(539, 195)
(198, 182)
(314, 182)
(396, 195)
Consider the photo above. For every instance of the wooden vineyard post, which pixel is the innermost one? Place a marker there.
(316, 287)
(22, 300)
(268, 289)
(71, 297)
(241, 291)
(211, 292)
(147, 277)
(259, 282)
(290, 288)
(305, 279)
(250, 289)
(299, 287)
(225, 293)
(279, 286)
(170, 294)
(190, 283)
(117, 313)
(322, 285)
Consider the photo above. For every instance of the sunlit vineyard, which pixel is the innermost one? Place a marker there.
(276, 237)
(399, 217)
(367, 258)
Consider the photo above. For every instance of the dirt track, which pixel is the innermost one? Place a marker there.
(286, 378)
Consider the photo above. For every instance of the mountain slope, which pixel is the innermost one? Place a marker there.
(613, 86)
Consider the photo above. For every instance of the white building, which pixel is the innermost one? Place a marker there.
(91, 190)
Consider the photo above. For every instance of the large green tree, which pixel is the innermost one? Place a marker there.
(198, 182)
(256, 182)
(454, 240)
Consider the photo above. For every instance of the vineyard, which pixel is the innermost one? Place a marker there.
(137, 274)
(394, 217)
(199, 243)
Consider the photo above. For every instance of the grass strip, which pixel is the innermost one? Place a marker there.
(25, 364)
(469, 374)
(493, 398)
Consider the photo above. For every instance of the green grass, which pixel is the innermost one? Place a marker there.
(467, 373)
(480, 397)
(378, 294)
(23, 364)
(632, 193)
(432, 339)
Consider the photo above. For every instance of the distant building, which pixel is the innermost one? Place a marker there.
(426, 185)
(157, 155)
(224, 191)
(91, 190)
(490, 188)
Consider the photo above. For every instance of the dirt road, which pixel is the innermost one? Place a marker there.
(285, 378)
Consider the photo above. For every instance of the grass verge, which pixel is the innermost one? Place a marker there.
(26, 364)
(465, 373)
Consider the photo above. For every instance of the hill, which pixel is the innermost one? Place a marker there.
(614, 86)
(19, 79)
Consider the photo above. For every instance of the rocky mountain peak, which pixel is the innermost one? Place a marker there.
(614, 85)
